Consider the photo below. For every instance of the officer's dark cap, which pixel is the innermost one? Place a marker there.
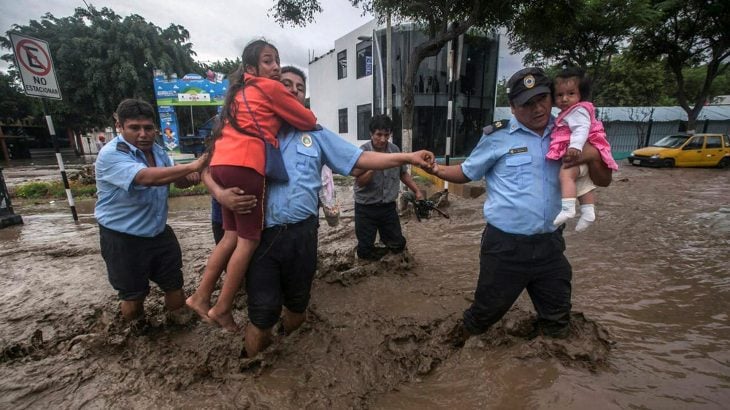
(526, 84)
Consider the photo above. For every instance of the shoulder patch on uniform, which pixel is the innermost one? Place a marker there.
(123, 147)
(497, 125)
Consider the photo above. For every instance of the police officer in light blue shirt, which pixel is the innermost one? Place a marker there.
(132, 179)
(283, 266)
(520, 248)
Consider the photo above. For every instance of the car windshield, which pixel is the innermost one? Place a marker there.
(671, 141)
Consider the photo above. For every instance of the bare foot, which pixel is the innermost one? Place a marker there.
(224, 319)
(200, 307)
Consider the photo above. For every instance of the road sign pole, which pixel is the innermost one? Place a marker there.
(52, 131)
(35, 65)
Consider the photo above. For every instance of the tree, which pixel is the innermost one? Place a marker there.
(688, 34)
(226, 66)
(102, 58)
(634, 83)
(441, 20)
(15, 104)
(585, 33)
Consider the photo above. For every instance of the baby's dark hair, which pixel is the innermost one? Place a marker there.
(584, 82)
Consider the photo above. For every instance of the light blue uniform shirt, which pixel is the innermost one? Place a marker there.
(523, 189)
(304, 154)
(122, 205)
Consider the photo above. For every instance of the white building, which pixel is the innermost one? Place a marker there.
(341, 91)
(346, 86)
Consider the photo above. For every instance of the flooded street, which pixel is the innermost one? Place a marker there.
(651, 324)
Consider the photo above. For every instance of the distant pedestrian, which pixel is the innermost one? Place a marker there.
(376, 192)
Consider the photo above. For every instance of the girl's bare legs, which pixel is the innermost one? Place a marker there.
(200, 300)
(235, 272)
(568, 192)
(587, 211)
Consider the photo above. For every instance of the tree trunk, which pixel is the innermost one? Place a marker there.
(428, 48)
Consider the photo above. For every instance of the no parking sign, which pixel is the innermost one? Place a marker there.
(34, 62)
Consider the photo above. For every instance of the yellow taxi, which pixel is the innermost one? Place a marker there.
(681, 150)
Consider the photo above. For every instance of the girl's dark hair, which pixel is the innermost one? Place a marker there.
(249, 58)
(584, 82)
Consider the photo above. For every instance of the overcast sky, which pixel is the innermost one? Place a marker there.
(220, 29)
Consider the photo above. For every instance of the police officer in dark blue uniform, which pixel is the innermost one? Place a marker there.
(520, 248)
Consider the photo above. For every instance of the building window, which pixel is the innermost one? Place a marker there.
(342, 64)
(364, 52)
(342, 115)
(364, 114)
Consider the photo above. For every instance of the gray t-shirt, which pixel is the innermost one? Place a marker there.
(383, 188)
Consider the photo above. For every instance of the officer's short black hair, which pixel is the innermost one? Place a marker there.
(380, 122)
(295, 71)
(133, 109)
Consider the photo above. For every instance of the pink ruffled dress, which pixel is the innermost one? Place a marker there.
(560, 137)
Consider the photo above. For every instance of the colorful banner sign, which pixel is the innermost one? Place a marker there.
(168, 125)
(192, 89)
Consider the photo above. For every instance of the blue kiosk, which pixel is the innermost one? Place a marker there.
(189, 91)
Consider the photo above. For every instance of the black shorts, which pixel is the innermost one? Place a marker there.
(281, 271)
(132, 261)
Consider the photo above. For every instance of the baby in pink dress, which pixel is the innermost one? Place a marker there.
(576, 124)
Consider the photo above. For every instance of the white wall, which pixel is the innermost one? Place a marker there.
(327, 94)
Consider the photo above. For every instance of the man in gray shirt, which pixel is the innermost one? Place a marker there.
(376, 193)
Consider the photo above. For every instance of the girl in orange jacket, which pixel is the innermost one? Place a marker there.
(256, 106)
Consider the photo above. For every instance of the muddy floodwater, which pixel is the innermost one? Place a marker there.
(650, 329)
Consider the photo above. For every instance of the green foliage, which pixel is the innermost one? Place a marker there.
(15, 104)
(441, 20)
(33, 190)
(101, 58)
(585, 33)
(56, 190)
(226, 66)
(685, 35)
(633, 83)
(296, 12)
(199, 189)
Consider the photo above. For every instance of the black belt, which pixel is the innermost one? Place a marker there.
(538, 237)
(283, 227)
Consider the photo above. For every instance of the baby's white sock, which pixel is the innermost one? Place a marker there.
(567, 211)
(587, 216)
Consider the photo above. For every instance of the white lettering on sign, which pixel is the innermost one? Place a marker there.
(33, 60)
(203, 97)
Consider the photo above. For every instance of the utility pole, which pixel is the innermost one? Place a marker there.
(389, 69)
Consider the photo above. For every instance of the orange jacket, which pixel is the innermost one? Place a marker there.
(271, 104)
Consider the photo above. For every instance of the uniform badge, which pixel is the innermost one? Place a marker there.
(498, 124)
(518, 150)
(529, 81)
(306, 140)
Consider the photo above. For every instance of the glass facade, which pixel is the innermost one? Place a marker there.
(474, 90)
